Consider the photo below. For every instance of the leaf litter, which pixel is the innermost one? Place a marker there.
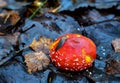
(100, 33)
(39, 59)
(36, 61)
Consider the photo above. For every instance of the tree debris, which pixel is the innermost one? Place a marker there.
(12, 15)
(114, 67)
(3, 3)
(6, 50)
(13, 38)
(42, 45)
(36, 61)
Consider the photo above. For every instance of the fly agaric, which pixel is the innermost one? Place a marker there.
(73, 52)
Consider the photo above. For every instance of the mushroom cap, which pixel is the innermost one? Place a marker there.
(76, 53)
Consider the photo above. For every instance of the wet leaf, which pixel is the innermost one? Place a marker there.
(14, 5)
(71, 5)
(15, 72)
(36, 61)
(6, 50)
(95, 16)
(42, 44)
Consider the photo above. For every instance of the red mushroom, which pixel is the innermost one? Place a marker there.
(73, 52)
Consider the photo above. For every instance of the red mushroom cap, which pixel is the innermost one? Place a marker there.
(73, 52)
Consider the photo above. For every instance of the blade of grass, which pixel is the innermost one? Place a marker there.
(34, 13)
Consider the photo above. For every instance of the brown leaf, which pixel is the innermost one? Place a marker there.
(13, 38)
(114, 67)
(116, 44)
(36, 61)
(42, 45)
(13, 16)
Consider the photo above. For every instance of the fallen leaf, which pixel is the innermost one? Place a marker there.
(13, 38)
(116, 44)
(114, 67)
(6, 50)
(71, 5)
(42, 45)
(13, 16)
(36, 61)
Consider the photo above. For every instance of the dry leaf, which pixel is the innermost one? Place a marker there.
(36, 61)
(13, 38)
(114, 67)
(13, 16)
(42, 45)
(116, 44)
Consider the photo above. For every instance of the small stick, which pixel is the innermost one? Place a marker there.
(11, 56)
(34, 13)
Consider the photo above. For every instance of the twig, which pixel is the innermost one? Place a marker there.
(11, 56)
(5, 59)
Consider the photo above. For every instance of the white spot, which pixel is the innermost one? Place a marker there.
(73, 63)
(76, 59)
(53, 52)
(59, 64)
(60, 59)
(81, 69)
(65, 58)
(87, 70)
(56, 56)
(66, 64)
(83, 61)
(71, 69)
(78, 29)
(66, 69)
(77, 63)
(103, 53)
(101, 57)
(90, 73)
(103, 49)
